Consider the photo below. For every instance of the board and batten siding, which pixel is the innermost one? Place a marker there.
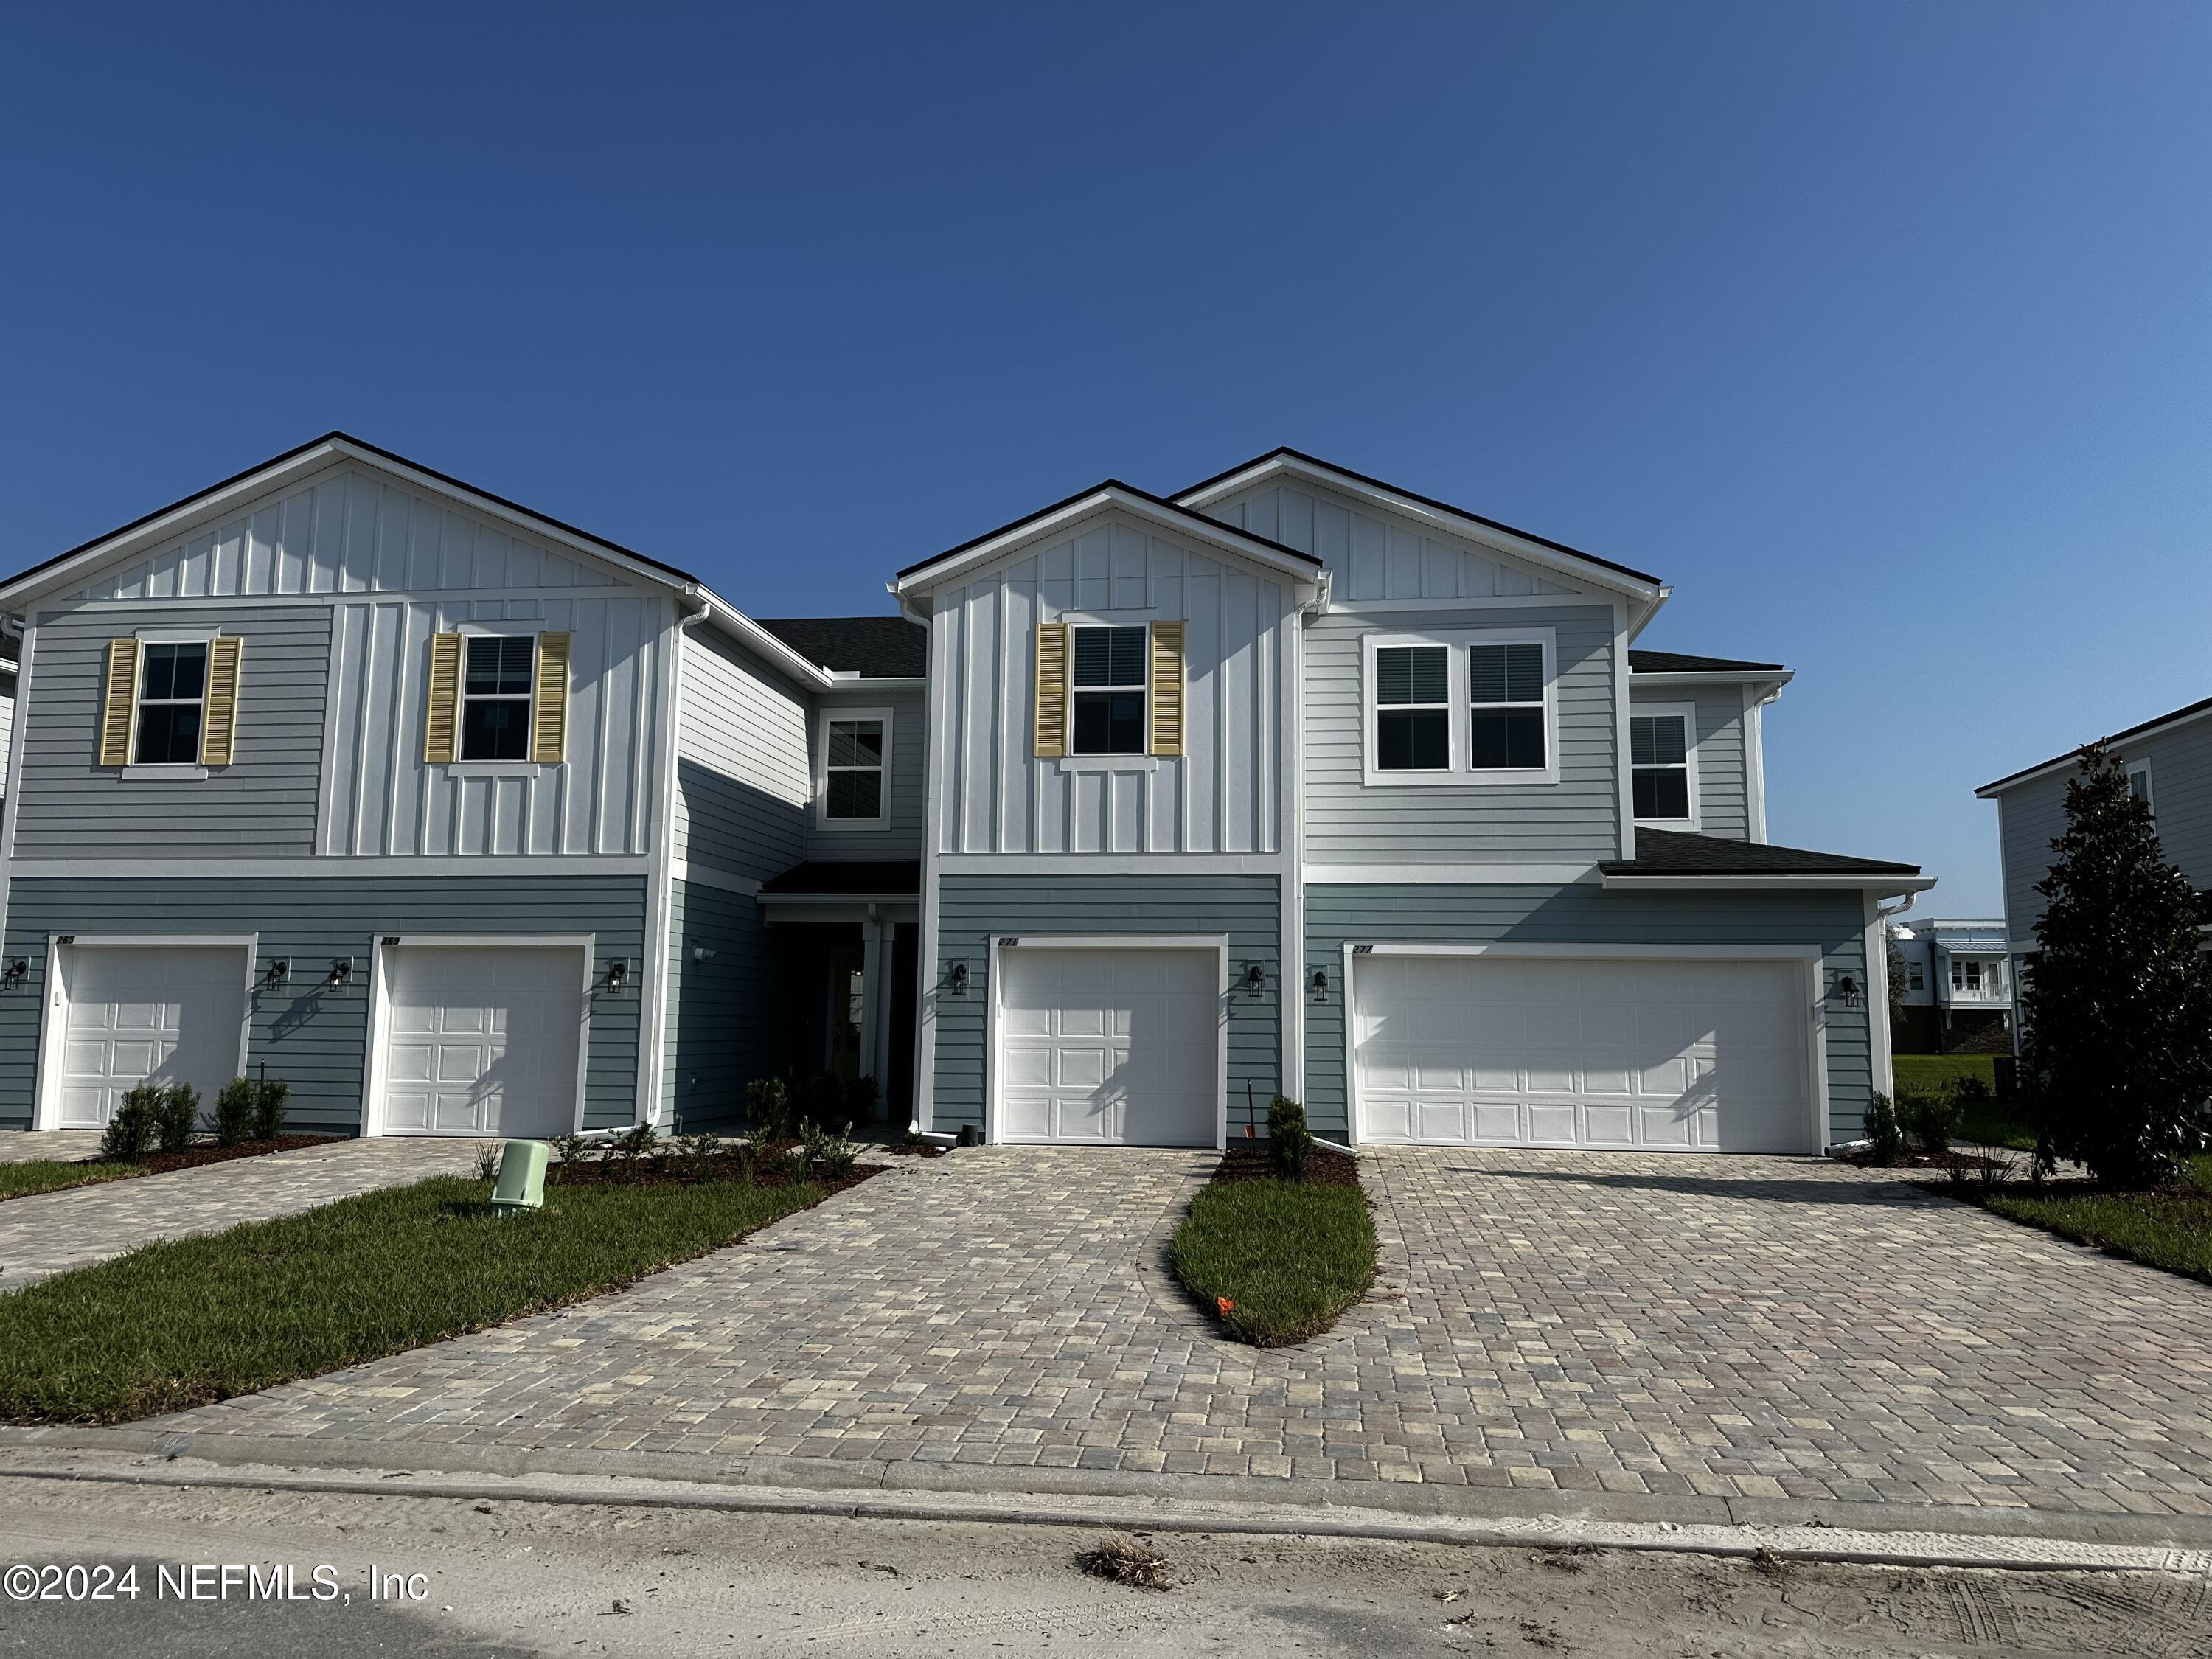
(1582, 914)
(1224, 794)
(743, 785)
(900, 836)
(69, 806)
(317, 1040)
(383, 801)
(1350, 822)
(975, 909)
(1724, 774)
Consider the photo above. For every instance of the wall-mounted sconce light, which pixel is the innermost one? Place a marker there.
(1319, 985)
(955, 981)
(701, 953)
(279, 970)
(1848, 989)
(341, 975)
(13, 975)
(617, 975)
(1255, 981)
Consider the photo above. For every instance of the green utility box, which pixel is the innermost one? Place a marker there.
(521, 1183)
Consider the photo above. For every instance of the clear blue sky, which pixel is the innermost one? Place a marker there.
(1881, 331)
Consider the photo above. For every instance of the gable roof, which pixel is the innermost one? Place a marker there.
(874, 647)
(1110, 492)
(1679, 662)
(1284, 458)
(2157, 723)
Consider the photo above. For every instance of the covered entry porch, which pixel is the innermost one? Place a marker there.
(848, 931)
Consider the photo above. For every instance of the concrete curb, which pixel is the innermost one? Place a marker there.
(1898, 1534)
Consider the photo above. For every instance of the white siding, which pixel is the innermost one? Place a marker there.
(1222, 795)
(7, 722)
(742, 785)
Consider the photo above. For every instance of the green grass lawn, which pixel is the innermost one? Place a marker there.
(182, 1323)
(1291, 1256)
(52, 1175)
(1993, 1123)
(2170, 1230)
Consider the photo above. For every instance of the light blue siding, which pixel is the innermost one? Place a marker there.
(975, 909)
(743, 783)
(313, 1039)
(900, 833)
(1723, 767)
(725, 1023)
(1580, 915)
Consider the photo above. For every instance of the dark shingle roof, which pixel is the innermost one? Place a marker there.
(874, 647)
(2151, 725)
(849, 878)
(1677, 662)
(1673, 853)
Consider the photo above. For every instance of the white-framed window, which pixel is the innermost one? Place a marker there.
(1972, 978)
(1107, 688)
(1477, 706)
(1915, 978)
(2139, 784)
(172, 702)
(1662, 762)
(496, 676)
(853, 786)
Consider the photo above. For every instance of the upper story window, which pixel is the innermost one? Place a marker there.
(495, 697)
(853, 782)
(172, 702)
(1108, 690)
(1413, 709)
(2139, 784)
(1659, 766)
(1967, 976)
(1505, 702)
(1915, 978)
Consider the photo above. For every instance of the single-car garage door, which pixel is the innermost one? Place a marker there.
(481, 1040)
(1544, 1051)
(132, 1012)
(1110, 1046)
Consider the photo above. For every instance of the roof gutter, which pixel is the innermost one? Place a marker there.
(742, 628)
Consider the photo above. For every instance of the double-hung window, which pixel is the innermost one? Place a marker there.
(1413, 709)
(1915, 978)
(1107, 687)
(1505, 707)
(1659, 766)
(495, 697)
(172, 702)
(2139, 784)
(852, 769)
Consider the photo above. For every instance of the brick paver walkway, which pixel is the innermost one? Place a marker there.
(51, 1232)
(1725, 1326)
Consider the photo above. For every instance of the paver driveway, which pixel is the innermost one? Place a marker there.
(1725, 1326)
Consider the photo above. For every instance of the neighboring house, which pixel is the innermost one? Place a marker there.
(1302, 781)
(2168, 762)
(464, 821)
(1957, 994)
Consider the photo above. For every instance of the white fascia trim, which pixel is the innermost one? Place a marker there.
(859, 685)
(1710, 677)
(1448, 875)
(1108, 864)
(1796, 884)
(940, 570)
(543, 866)
(1453, 524)
(730, 620)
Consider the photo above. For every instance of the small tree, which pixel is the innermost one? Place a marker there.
(2117, 1005)
(1899, 976)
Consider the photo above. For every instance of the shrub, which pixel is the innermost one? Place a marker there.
(1970, 1091)
(821, 1098)
(270, 1096)
(178, 1116)
(1885, 1135)
(234, 1111)
(129, 1132)
(1289, 1140)
(826, 1155)
(572, 1147)
(1931, 1119)
(767, 1108)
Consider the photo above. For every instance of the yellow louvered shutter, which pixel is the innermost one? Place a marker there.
(1167, 687)
(219, 728)
(441, 715)
(119, 708)
(549, 725)
(1052, 653)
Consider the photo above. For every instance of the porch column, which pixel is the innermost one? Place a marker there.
(876, 938)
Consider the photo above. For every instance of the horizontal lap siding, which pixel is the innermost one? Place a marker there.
(900, 833)
(70, 805)
(743, 785)
(316, 1040)
(725, 1021)
(973, 910)
(1579, 914)
(2030, 817)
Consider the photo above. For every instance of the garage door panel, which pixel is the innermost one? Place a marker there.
(140, 1013)
(1108, 1046)
(481, 1040)
(1611, 1052)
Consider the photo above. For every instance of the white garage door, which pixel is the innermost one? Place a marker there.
(1523, 1051)
(1111, 1047)
(132, 1012)
(481, 1040)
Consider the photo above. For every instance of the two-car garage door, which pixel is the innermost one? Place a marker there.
(1546, 1051)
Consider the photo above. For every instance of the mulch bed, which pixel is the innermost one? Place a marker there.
(192, 1156)
(1324, 1168)
(913, 1149)
(771, 1169)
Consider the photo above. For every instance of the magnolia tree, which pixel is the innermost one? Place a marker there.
(2116, 1008)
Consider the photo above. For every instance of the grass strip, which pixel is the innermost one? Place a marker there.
(2170, 1228)
(184, 1322)
(54, 1174)
(1287, 1256)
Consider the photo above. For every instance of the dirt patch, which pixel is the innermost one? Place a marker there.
(1323, 1167)
(192, 1156)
